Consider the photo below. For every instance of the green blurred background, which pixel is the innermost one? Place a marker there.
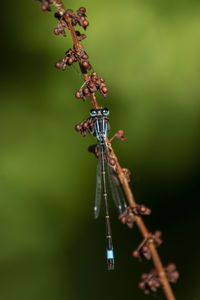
(149, 53)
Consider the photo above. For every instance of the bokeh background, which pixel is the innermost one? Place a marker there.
(149, 53)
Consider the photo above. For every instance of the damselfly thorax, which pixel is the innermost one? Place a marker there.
(100, 121)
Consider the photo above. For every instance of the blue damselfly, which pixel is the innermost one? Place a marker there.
(99, 128)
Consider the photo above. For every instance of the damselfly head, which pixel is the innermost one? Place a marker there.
(99, 112)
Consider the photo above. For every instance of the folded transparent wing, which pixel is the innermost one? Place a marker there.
(116, 190)
(97, 202)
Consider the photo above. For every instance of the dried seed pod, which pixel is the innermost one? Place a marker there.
(140, 210)
(81, 11)
(84, 56)
(45, 4)
(104, 89)
(85, 124)
(120, 135)
(112, 161)
(79, 95)
(80, 36)
(136, 254)
(78, 127)
(61, 64)
(85, 64)
(127, 217)
(144, 250)
(61, 27)
(86, 91)
(92, 87)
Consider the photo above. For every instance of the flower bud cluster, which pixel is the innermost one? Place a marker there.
(82, 58)
(143, 251)
(119, 136)
(84, 126)
(82, 17)
(151, 282)
(61, 27)
(69, 58)
(93, 85)
(72, 56)
(128, 216)
(172, 273)
(140, 210)
(75, 19)
(78, 18)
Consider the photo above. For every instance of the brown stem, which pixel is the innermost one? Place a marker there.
(142, 227)
(93, 97)
(73, 32)
(77, 47)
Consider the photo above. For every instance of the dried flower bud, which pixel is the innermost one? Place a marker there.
(81, 11)
(78, 95)
(70, 12)
(85, 124)
(85, 64)
(45, 4)
(136, 254)
(120, 135)
(80, 36)
(112, 161)
(84, 56)
(56, 31)
(104, 89)
(86, 91)
(144, 250)
(78, 127)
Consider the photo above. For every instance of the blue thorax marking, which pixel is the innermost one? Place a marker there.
(101, 129)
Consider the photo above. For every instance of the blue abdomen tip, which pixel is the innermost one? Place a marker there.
(110, 254)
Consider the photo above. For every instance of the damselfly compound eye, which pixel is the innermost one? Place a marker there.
(105, 112)
(93, 113)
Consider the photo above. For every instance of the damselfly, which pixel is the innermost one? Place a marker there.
(100, 127)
